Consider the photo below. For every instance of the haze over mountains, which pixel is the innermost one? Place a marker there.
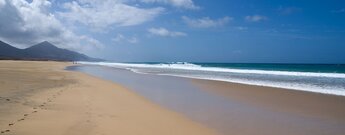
(41, 51)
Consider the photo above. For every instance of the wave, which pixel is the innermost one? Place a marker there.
(291, 86)
(195, 67)
(326, 83)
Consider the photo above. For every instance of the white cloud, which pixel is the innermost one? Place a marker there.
(121, 38)
(187, 4)
(165, 33)
(2, 3)
(26, 23)
(101, 14)
(255, 18)
(206, 22)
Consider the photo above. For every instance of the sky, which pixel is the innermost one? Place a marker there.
(236, 31)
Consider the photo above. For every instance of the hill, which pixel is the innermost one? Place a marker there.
(41, 51)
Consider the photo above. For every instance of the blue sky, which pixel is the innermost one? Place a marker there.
(277, 31)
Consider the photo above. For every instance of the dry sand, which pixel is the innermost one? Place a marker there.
(40, 98)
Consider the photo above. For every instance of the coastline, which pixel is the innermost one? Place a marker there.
(326, 79)
(43, 98)
(232, 108)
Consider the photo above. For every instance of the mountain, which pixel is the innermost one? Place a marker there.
(42, 51)
(8, 51)
(46, 50)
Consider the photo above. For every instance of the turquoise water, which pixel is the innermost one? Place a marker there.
(324, 68)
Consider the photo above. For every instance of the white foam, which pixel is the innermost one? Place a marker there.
(188, 66)
(193, 67)
(290, 86)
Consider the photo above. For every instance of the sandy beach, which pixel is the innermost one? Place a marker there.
(40, 98)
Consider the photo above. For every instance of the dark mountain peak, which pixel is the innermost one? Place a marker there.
(46, 42)
(3, 44)
(43, 45)
(7, 50)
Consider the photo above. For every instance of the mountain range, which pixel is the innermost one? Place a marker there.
(41, 51)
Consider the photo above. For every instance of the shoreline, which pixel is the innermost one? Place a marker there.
(43, 98)
(318, 82)
(236, 108)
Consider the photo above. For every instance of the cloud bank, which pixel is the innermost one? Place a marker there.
(26, 23)
(100, 14)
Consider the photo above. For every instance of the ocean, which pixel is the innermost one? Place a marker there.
(319, 78)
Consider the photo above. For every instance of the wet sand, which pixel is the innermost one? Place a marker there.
(41, 98)
(314, 113)
(309, 104)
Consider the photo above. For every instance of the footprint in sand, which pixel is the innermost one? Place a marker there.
(11, 124)
(26, 115)
(21, 119)
(4, 131)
